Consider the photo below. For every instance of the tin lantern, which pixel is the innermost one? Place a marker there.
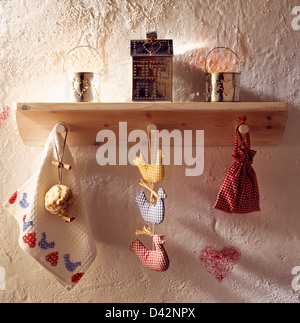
(222, 86)
(83, 86)
(152, 63)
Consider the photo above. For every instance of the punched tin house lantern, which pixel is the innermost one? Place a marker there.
(152, 63)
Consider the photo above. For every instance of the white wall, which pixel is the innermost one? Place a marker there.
(34, 37)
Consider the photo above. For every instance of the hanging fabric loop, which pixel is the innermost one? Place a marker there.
(59, 163)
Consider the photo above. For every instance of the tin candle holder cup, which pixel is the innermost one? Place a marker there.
(222, 86)
(82, 86)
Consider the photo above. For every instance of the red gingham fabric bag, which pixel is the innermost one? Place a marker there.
(239, 192)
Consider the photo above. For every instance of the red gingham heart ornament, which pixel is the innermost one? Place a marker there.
(219, 263)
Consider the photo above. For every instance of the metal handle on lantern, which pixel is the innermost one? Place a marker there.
(80, 46)
(222, 48)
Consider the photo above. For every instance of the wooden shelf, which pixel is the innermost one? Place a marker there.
(267, 120)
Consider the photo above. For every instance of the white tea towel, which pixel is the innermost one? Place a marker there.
(66, 250)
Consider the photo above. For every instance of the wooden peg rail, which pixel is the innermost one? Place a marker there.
(266, 120)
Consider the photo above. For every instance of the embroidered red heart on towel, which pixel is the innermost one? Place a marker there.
(52, 258)
(219, 263)
(13, 198)
(30, 239)
(76, 278)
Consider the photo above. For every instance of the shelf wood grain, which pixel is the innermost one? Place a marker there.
(267, 120)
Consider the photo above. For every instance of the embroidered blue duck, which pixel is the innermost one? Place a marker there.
(152, 213)
(71, 266)
(26, 224)
(23, 203)
(43, 244)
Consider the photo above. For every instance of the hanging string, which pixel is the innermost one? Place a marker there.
(153, 231)
(149, 145)
(146, 230)
(60, 165)
(145, 184)
(154, 148)
(152, 156)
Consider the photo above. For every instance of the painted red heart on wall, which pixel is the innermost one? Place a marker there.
(219, 263)
(30, 239)
(4, 114)
(52, 258)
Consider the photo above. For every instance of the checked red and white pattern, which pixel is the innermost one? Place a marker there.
(239, 192)
(154, 260)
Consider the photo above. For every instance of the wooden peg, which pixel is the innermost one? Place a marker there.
(60, 165)
(243, 129)
(151, 127)
(61, 128)
(67, 219)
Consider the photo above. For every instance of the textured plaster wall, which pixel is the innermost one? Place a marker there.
(34, 37)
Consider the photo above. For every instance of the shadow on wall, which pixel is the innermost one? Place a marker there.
(189, 76)
(115, 216)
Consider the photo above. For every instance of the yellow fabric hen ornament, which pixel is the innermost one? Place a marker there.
(151, 173)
